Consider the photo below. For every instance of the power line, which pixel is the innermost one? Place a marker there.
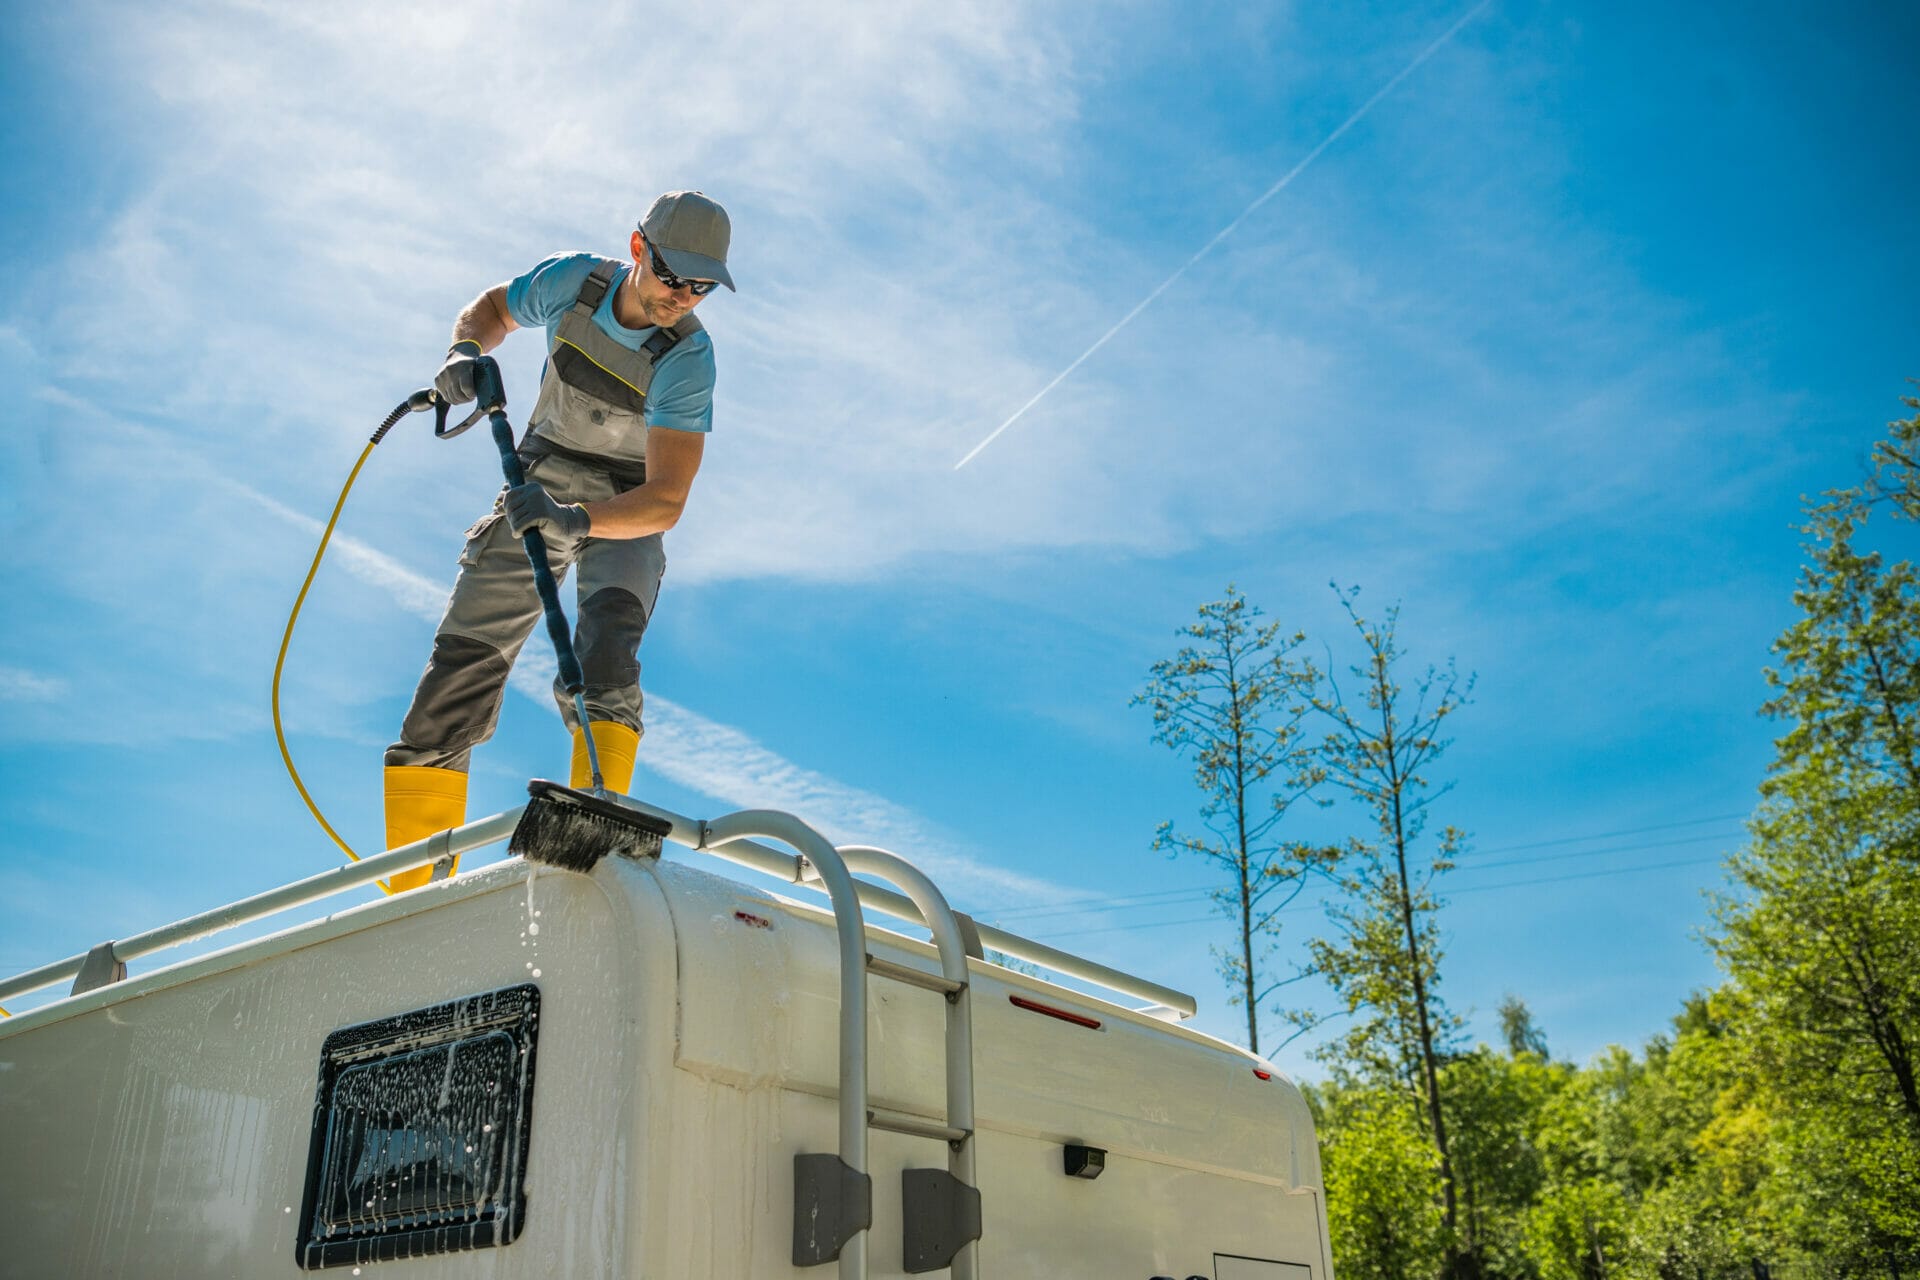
(1592, 853)
(1485, 888)
(1077, 906)
(1585, 875)
(1608, 835)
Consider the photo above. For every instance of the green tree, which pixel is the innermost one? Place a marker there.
(1820, 931)
(1655, 1161)
(1381, 1184)
(1495, 1103)
(1577, 1230)
(1703, 1130)
(1235, 698)
(1518, 1030)
(1824, 944)
(1383, 961)
(1848, 684)
(1896, 477)
(1846, 1194)
(1826, 940)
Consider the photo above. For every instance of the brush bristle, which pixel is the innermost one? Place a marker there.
(573, 830)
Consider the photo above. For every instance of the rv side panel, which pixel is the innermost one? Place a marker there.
(161, 1129)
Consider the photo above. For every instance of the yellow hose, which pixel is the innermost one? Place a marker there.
(279, 663)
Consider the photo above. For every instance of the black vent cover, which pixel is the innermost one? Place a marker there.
(420, 1132)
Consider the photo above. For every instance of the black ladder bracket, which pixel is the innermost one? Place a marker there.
(99, 969)
(942, 1216)
(831, 1202)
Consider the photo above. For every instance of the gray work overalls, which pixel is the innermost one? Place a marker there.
(587, 442)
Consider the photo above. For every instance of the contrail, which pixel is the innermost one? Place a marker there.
(1231, 227)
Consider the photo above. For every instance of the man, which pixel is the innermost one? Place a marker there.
(613, 444)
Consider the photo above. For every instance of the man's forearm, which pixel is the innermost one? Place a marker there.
(673, 460)
(636, 513)
(485, 320)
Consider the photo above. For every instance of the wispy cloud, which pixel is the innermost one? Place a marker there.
(912, 245)
(723, 762)
(914, 251)
(418, 594)
(18, 685)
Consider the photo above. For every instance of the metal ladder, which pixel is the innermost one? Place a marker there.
(833, 1193)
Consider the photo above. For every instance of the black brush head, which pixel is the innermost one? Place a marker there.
(573, 830)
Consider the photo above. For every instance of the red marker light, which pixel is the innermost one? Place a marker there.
(1264, 1075)
(1065, 1015)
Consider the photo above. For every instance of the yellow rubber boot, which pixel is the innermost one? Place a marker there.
(616, 745)
(421, 801)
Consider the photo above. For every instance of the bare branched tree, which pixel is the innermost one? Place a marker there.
(1236, 698)
(1385, 961)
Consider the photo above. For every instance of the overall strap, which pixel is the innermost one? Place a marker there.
(594, 288)
(661, 341)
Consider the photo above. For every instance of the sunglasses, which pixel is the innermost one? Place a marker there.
(699, 288)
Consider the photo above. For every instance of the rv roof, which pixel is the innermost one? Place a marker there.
(106, 962)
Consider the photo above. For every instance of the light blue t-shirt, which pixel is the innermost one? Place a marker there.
(681, 396)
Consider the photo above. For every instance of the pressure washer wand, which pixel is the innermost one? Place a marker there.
(493, 402)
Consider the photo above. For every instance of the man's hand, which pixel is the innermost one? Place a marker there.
(527, 506)
(454, 382)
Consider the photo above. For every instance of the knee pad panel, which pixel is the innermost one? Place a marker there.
(458, 698)
(612, 621)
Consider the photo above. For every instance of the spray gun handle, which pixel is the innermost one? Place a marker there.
(441, 431)
(489, 392)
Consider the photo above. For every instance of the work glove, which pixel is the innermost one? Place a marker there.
(528, 507)
(454, 382)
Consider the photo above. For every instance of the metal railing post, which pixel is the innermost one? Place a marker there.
(850, 924)
(951, 947)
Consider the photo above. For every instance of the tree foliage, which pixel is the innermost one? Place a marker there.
(1518, 1030)
(1382, 1186)
(1494, 1101)
(1819, 930)
(1848, 684)
(1577, 1230)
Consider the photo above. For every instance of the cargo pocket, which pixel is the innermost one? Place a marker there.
(477, 536)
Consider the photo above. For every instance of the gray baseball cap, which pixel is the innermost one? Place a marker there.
(691, 232)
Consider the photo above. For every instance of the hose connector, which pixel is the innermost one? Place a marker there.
(420, 401)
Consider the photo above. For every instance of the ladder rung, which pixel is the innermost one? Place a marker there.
(900, 1122)
(913, 977)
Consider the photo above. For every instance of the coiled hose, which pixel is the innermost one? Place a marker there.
(415, 403)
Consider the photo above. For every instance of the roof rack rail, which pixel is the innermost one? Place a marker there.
(107, 958)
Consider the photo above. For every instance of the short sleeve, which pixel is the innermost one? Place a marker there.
(681, 396)
(541, 296)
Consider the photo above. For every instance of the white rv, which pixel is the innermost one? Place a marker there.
(645, 1071)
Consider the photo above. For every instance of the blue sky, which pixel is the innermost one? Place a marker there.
(1545, 347)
